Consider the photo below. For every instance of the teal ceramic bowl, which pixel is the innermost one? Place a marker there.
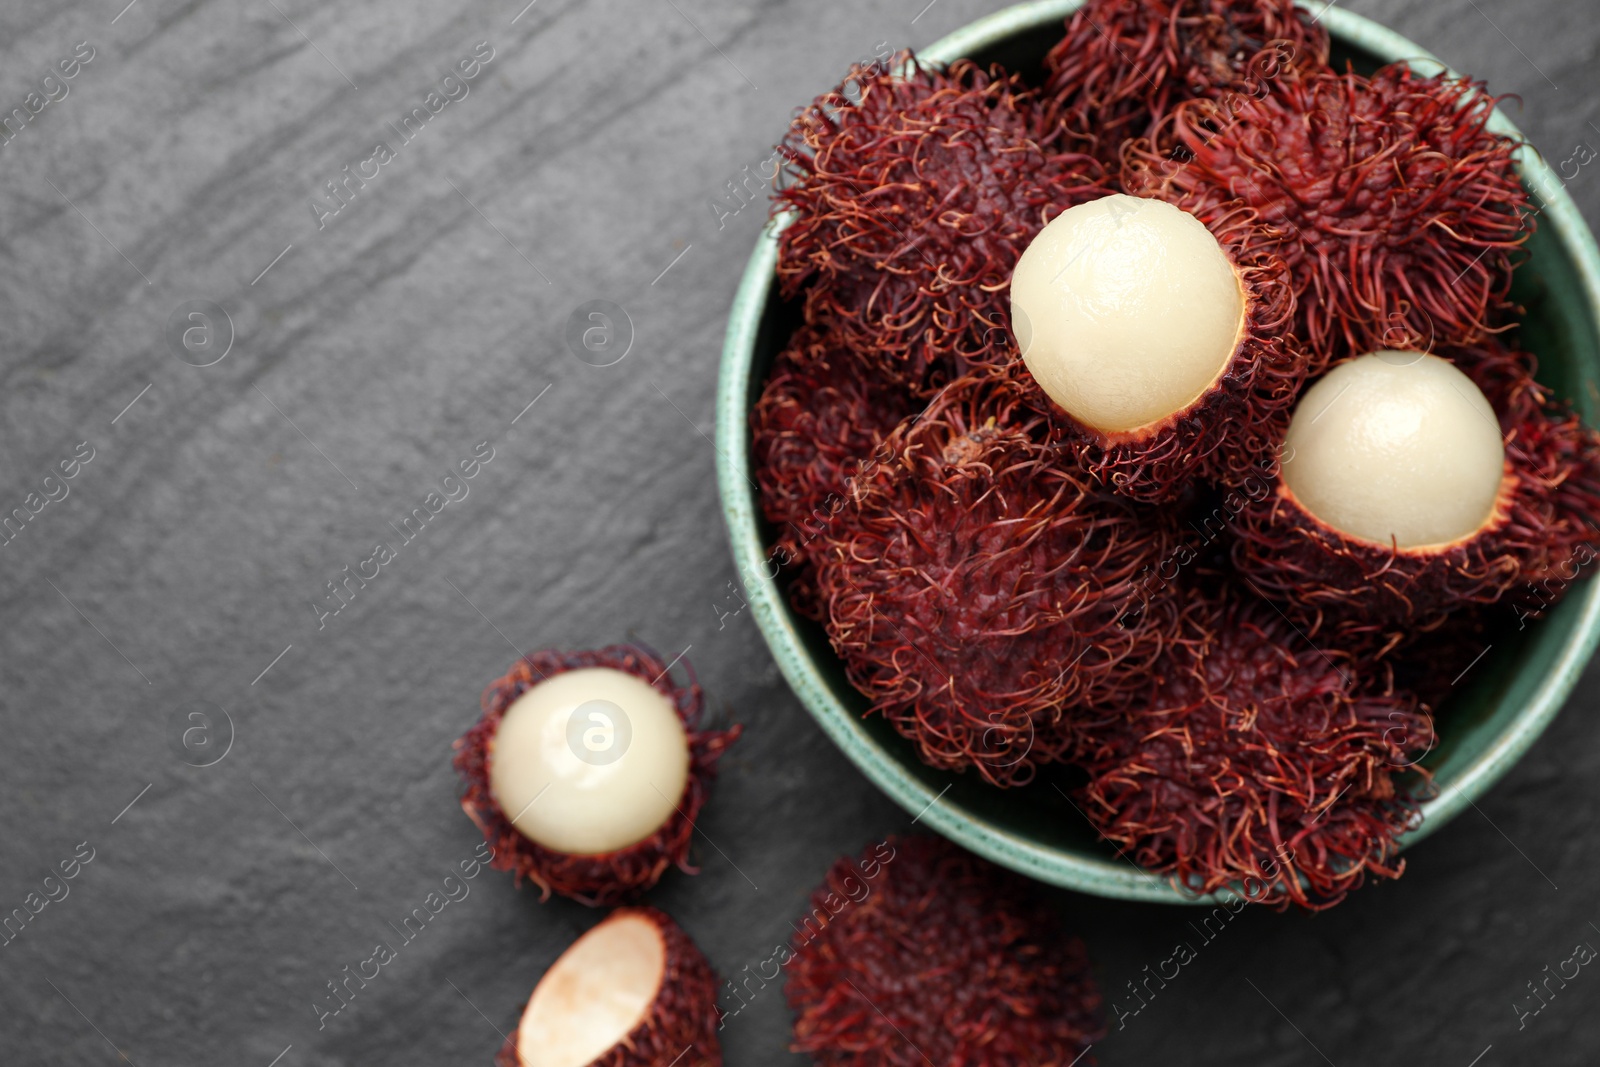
(1498, 711)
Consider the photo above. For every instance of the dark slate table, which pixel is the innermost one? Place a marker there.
(375, 346)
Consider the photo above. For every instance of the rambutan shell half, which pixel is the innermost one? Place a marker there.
(634, 991)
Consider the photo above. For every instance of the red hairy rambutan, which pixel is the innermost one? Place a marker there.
(1226, 434)
(1124, 64)
(815, 429)
(634, 991)
(978, 584)
(1535, 538)
(1258, 760)
(637, 753)
(911, 204)
(1397, 209)
(919, 953)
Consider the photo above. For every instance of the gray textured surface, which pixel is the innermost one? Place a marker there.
(418, 322)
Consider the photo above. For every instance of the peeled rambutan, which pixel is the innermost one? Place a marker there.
(1397, 209)
(978, 584)
(634, 991)
(1124, 64)
(587, 771)
(1402, 497)
(1258, 761)
(911, 204)
(1161, 342)
(814, 430)
(919, 953)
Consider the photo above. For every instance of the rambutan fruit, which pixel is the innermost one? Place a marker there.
(1402, 497)
(1124, 64)
(1397, 210)
(1162, 344)
(911, 204)
(587, 771)
(1259, 762)
(919, 953)
(634, 991)
(816, 428)
(978, 584)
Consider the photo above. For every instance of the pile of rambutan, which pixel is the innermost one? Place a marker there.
(1165, 422)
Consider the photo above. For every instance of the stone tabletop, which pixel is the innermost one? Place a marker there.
(272, 270)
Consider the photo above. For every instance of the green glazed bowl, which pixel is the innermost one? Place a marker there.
(1507, 698)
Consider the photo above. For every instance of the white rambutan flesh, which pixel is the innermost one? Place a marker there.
(1126, 310)
(1396, 448)
(589, 761)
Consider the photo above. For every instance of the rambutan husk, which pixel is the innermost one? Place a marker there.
(1258, 762)
(978, 584)
(607, 878)
(1231, 433)
(1124, 64)
(1396, 209)
(679, 1026)
(918, 952)
(816, 427)
(911, 206)
(1540, 535)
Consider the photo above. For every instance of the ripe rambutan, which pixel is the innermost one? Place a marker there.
(1124, 64)
(1403, 498)
(1396, 208)
(634, 991)
(1163, 344)
(814, 430)
(1259, 761)
(587, 771)
(911, 204)
(919, 953)
(978, 584)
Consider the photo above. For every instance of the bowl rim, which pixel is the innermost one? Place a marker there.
(1101, 876)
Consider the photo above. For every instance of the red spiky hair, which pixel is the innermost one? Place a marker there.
(1541, 534)
(1124, 64)
(1258, 761)
(1398, 210)
(606, 879)
(932, 955)
(979, 584)
(912, 205)
(815, 429)
(1231, 432)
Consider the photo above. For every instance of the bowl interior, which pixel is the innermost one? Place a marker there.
(1497, 709)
